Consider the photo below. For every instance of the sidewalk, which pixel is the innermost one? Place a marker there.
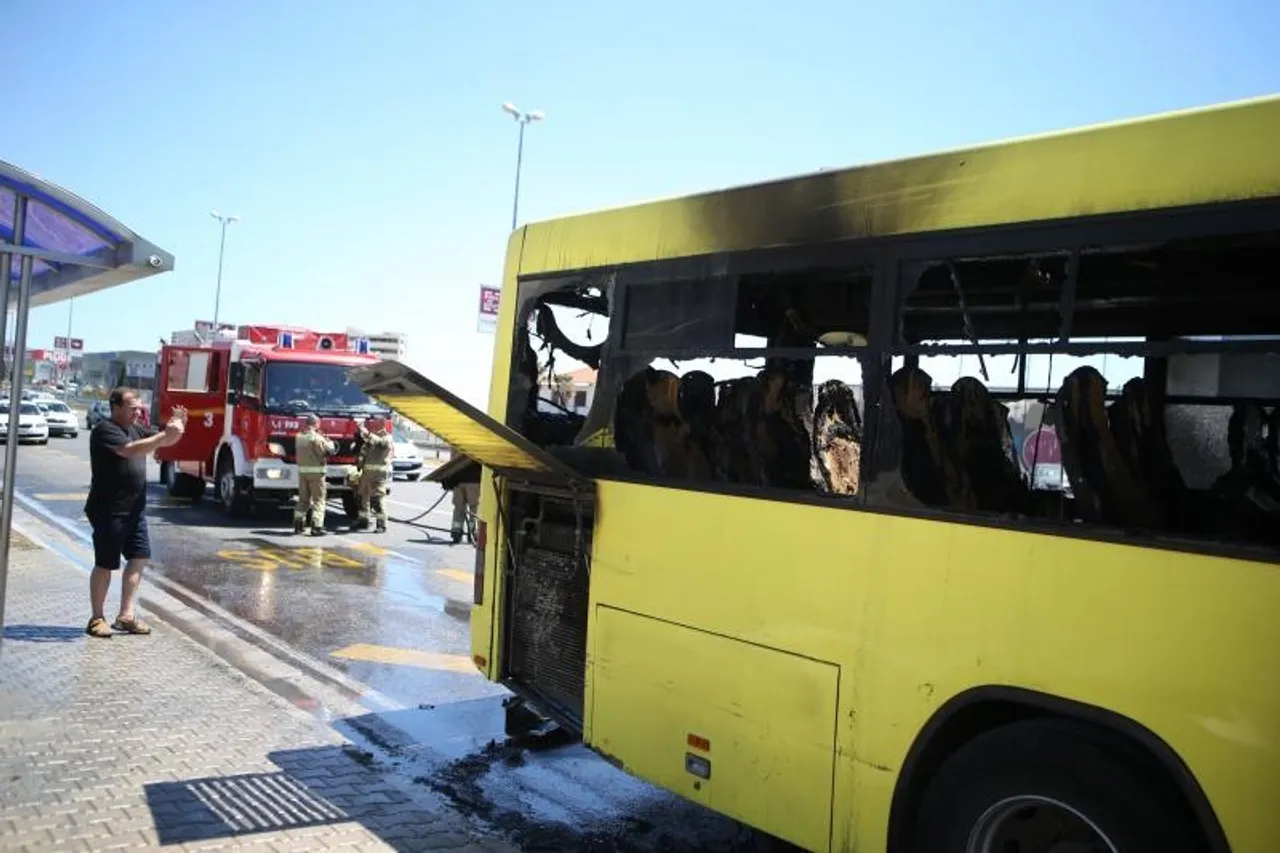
(156, 742)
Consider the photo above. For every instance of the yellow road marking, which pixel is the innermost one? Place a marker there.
(271, 559)
(456, 575)
(370, 548)
(61, 496)
(406, 657)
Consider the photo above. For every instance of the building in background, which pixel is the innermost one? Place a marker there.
(572, 391)
(388, 345)
(131, 368)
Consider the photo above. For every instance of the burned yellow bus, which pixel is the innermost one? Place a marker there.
(925, 506)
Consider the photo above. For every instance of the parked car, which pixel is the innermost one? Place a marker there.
(406, 459)
(100, 410)
(31, 423)
(61, 420)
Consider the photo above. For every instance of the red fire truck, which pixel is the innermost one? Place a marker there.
(246, 398)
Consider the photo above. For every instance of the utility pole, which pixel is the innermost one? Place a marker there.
(523, 119)
(222, 248)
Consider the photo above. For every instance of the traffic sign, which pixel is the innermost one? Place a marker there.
(72, 344)
(1042, 448)
(489, 299)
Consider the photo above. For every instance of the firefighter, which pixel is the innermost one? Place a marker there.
(375, 469)
(465, 486)
(313, 450)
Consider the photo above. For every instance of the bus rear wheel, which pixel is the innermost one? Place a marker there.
(1043, 786)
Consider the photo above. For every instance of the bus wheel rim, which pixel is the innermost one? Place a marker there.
(1037, 823)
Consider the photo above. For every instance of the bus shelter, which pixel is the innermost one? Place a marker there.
(53, 246)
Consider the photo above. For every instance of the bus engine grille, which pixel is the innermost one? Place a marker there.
(548, 640)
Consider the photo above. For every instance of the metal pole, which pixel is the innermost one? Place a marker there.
(6, 273)
(217, 294)
(66, 370)
(15, 397)
(515, 205)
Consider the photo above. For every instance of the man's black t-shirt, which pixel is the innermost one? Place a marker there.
(118, 486)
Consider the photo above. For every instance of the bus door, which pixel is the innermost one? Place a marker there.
(541, 543)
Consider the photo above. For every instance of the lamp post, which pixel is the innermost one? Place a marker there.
(222, 248)
(523, 119)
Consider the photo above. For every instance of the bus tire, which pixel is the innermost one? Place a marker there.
(1003, 787)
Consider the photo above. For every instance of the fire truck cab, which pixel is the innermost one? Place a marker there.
(246, 397)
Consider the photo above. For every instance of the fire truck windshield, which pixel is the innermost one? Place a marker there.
(296, 387)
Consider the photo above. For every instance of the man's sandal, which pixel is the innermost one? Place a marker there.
(98, 627)
(131, 626)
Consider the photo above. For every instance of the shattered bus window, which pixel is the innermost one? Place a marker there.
(1133, 389)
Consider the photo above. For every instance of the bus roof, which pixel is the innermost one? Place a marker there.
(1215, 154)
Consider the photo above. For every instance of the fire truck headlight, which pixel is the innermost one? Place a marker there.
(274, 473)
(276, 447)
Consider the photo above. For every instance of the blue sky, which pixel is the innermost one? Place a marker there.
(364, 145)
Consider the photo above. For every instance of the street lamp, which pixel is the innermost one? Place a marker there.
(522, 119)
(222, 247)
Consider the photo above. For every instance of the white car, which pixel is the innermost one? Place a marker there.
(61, 420)
(31, 423)
(406, 460)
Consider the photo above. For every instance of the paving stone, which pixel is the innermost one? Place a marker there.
(149, 742)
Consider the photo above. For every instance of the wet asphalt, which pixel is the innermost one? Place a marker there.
(392, 612)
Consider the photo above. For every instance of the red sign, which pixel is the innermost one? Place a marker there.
(489, 299)
(1042, 448)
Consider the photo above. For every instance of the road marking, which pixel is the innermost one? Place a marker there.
(370, 653)
(61, 496)
(457, 575)
(273, 559)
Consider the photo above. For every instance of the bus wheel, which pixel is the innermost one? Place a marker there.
(1041, 786)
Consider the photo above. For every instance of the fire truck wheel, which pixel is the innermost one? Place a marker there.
(350, 505)
(166, 475)
(235, 497)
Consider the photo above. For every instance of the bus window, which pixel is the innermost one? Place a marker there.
(764, 390)
(1128, 388)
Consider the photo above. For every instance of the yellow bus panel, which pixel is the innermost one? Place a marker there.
(1219, 154)
(759, 722)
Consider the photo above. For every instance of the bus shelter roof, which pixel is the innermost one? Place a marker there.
(75, 247)
(54, 245)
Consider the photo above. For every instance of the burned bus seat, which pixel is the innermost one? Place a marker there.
(781, 438)
(649, 431)
(975, 431)
(736, 405)
(1105, 490)
(837, 438)
(697, 404)
(1140, 437)
(927, 470)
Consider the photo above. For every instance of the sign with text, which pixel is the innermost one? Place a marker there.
(68, 344)
(489, 298)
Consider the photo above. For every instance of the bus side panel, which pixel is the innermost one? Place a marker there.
(743, 729)
(483, 645)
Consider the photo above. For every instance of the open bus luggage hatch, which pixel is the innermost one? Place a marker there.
(464, 427)
(547, 517)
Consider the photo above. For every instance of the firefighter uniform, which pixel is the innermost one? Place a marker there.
(375, 469)
(313, 450)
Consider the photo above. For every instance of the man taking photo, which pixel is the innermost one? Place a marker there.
(117, 503)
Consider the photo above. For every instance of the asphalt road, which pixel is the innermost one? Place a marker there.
(392, 612)
(390, 609)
